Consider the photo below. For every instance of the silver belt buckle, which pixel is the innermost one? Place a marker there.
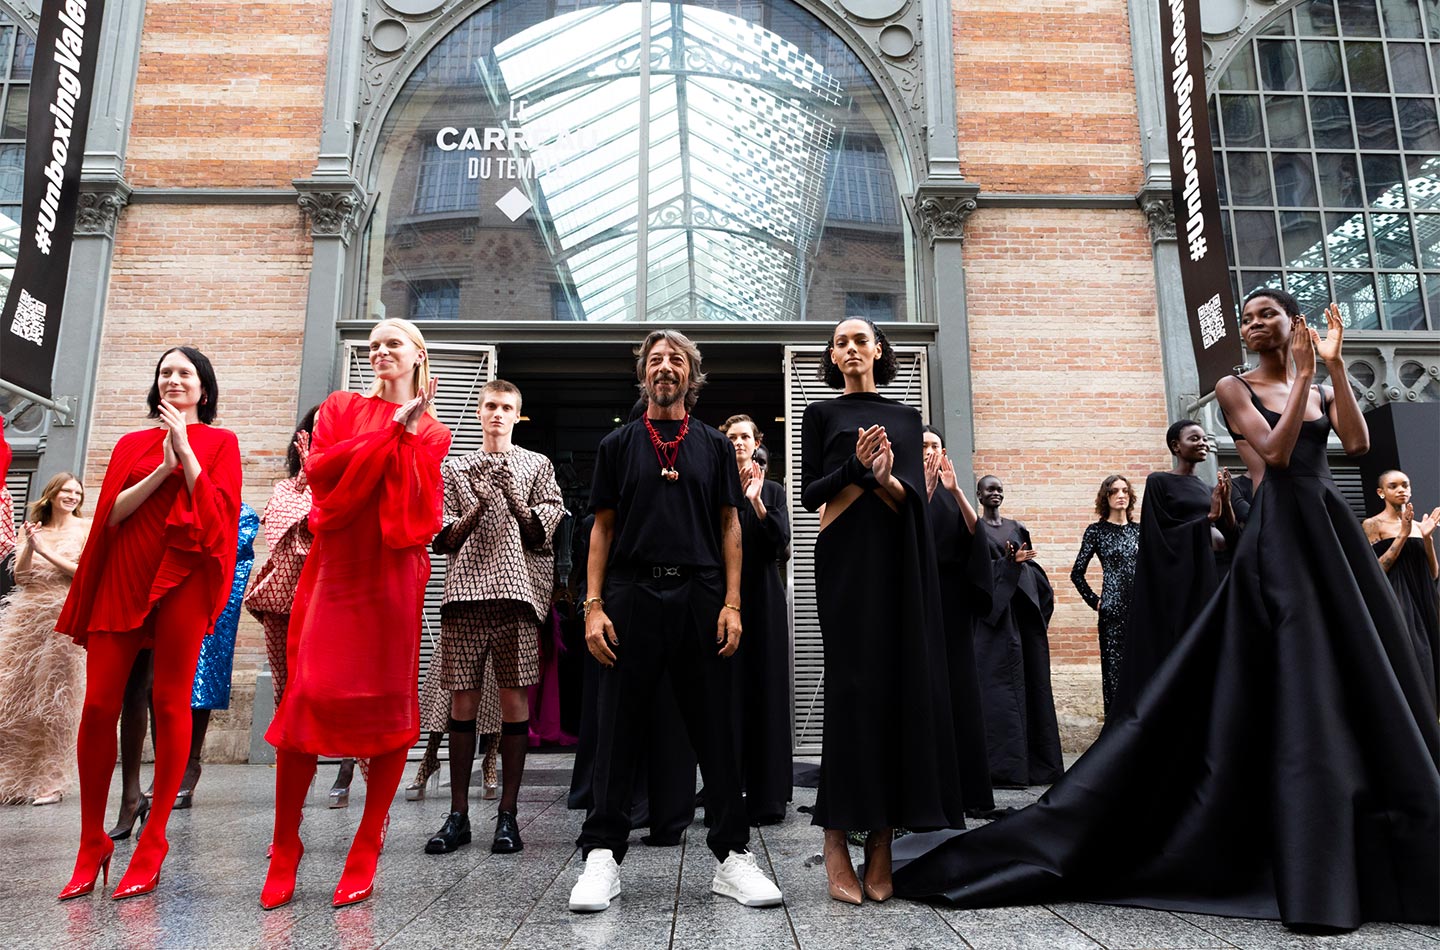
(665, 572)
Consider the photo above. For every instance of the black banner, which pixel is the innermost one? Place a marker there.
(60, 90)
(1204, 271)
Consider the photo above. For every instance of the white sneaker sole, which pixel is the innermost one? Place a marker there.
(727, 890)
(590, 907)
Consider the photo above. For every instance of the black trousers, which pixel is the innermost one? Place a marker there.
(665, 625)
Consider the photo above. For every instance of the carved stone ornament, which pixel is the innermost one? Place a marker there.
(942, 217)
(99, 210)
(1160, 213)
(333, 209)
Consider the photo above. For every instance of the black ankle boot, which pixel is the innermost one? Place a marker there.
(452, 834)
(507, 834)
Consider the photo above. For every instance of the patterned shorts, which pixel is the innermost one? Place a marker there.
(500, 632)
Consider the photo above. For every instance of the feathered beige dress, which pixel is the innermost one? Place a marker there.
(42, 681)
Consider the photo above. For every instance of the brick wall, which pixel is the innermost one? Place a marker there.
(228, 95)
(1045, 96)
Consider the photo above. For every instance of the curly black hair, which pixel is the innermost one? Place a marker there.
(1285, 299)
(886, 366)
(292, 454)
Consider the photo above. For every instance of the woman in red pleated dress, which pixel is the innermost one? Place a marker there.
(156, 572)
(353, 651)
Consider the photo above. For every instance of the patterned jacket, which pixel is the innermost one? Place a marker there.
(508, 555)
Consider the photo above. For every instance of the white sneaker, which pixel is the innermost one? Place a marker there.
(740, 877)
(599, 883)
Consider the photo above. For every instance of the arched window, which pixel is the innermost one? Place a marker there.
(1328, 154)
(534, 165)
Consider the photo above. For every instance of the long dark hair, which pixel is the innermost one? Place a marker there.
(292, 454)
(209, 389)
(1102, 498)
(886, 365)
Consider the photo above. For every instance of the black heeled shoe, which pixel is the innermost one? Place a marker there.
(123, 828)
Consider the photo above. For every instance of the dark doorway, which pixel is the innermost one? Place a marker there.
(574, 395)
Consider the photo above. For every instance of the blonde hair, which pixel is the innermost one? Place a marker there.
(420, 378)
(43, 508)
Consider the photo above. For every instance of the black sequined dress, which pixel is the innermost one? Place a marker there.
(1116, 545)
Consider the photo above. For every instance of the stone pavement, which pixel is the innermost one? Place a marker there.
(210, 886)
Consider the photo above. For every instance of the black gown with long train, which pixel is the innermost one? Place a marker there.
(1176, 573)
(764, 682)
(1012, 657)
(952, 554)
(888, 753)
(1419, 597)
(1280, 764)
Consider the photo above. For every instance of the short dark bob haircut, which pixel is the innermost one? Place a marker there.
(1102, 498)
(886, 366)
(292, 454)
(1287, 301)
(209, 389)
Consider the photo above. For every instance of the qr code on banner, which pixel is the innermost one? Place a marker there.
(1212, 321)
(29, 322)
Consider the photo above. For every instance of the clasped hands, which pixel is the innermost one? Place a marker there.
(408, 414)
(176, 443)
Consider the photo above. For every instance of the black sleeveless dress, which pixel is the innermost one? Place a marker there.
(1280, 764)
(1419, 598)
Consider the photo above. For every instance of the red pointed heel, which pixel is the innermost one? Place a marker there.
(134, 884)
(279, 888)
(80, 885)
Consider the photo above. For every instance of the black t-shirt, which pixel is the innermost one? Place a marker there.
(659, 521)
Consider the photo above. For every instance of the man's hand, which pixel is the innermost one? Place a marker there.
(727, 631)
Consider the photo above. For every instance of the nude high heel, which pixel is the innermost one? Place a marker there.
(839, 872)
(878, 884)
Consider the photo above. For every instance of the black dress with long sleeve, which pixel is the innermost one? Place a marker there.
(1116, 545)
(1419, 598)
(1280, 764)
(765, 659)
(1012, 658)
(1175, 575)
(888, 754)
(957, 603)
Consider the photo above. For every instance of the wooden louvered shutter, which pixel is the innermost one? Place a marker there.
(802, 387)
(462, 371)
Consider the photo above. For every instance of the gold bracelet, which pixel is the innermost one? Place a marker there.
(585, 604)
(732, 607)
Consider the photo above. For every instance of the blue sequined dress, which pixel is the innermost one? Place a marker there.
(217, 653)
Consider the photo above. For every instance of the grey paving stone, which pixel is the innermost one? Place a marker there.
(1016, 928)
(1270, 935)
(1135, 928)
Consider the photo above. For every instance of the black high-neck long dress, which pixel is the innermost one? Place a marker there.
(764, 657)
(888, 753)
(1012, 657)
(952, 554)
(1175, 575)
(1280, 764)
(1117, 546)
(1419, 597)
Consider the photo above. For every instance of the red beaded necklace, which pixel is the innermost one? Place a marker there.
(668, 452)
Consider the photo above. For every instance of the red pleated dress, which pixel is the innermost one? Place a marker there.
(354, 642)
(126, 569)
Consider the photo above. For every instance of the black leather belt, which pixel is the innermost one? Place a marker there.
(651, 573)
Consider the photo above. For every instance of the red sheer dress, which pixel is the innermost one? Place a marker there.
(354, 642)
(127, 568)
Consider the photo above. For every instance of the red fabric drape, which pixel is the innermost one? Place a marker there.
(353, 654)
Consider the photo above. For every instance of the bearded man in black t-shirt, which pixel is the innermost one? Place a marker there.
(664, 586)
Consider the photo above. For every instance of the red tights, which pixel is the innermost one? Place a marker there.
(293, 774)
(177, 623)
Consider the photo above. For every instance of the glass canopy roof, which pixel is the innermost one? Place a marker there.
(732, 161)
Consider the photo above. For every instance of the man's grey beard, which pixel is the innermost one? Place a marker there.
(665, 402)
